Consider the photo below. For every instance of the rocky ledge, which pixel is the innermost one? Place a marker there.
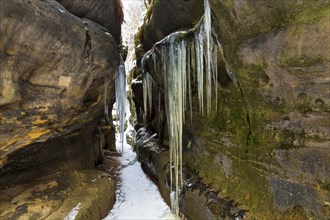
(81, 194)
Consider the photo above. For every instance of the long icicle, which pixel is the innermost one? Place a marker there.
(200, 67)
(189, 81)
(121, 100)
(215, 73)
(149, 91)
(145, 88)
(208, 58)
(174, 74)
(145, 95)
(106, 106)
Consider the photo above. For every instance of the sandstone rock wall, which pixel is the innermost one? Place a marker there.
(277, 164)
(53, 69)
(107, 13)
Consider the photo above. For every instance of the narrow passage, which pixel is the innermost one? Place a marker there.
(137, 197)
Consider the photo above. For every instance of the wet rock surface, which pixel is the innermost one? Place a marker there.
(275, 164)
(85, 194)
(53, 69)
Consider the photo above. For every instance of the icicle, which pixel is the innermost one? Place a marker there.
(160, 112)
(189, 83)
(182, 111)
(200, 67)
(121, 100)
(149, 91)
(184, 75)
(227, 67)
(208, 58)
(147, 84)
(147, 95)
(180, 61)
(174, 75)
(154, 62)
(215, 74)
(193, 60)
(106, 107)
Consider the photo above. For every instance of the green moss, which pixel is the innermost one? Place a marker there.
(232, 115)
(311, 12)
(295, 213)
(247, 185)
(272, 17)
(138, 37)
(149, 12)
(286, 61)
(325, 186)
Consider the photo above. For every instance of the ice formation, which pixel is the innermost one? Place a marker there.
(182, 62)
(121, 99)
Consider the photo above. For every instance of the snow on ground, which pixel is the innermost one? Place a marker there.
(137, 196)
(72, 215)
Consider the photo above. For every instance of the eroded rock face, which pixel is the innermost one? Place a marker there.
(167, 16)
(279, 52)
(278, 165)
(84, 194)
(199, 200)
(108, 13)
(53, 66)
(80, 149)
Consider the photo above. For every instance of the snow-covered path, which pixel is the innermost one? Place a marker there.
(137, 196)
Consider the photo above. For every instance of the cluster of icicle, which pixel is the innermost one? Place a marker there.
(121, 100)
(183, 60)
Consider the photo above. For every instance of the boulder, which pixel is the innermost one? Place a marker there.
(54, 69)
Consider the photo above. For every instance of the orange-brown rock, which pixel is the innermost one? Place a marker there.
(53, 69)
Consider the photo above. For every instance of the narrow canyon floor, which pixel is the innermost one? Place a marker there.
(137, 197)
